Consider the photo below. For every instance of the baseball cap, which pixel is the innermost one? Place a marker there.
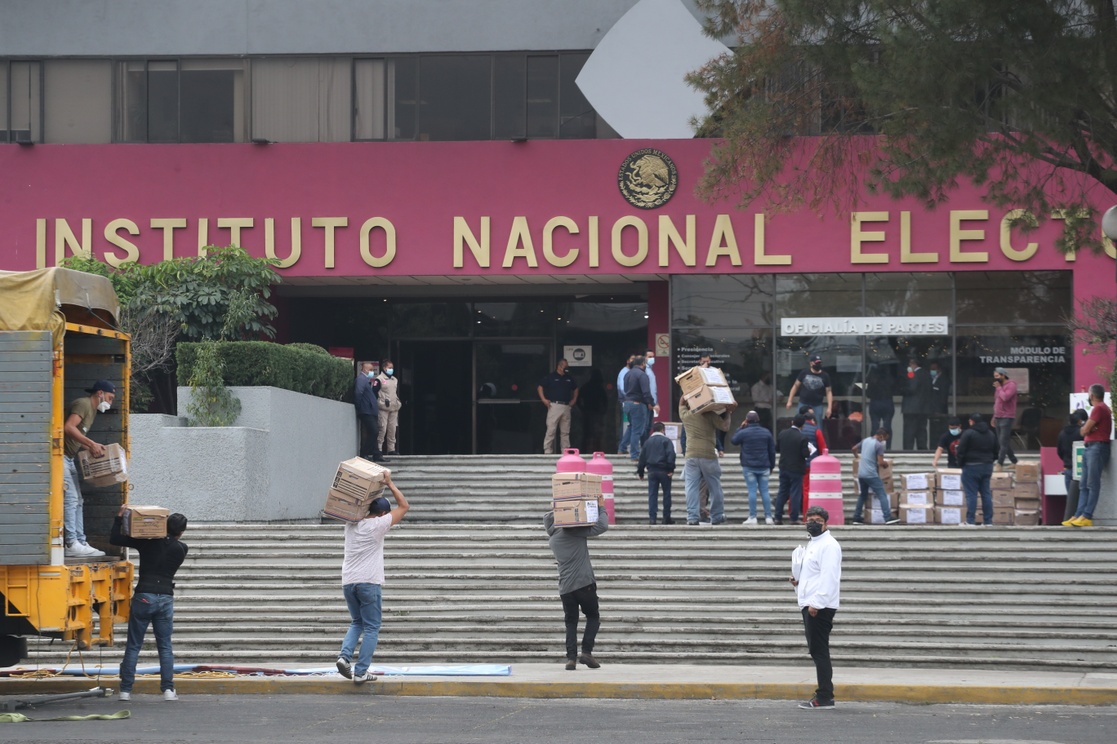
(379, 505)
(816, 357)
(1001, 371)
(102, 386)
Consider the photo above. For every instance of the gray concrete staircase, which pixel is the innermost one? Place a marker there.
(470, 578)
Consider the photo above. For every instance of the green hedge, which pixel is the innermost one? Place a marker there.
(294, 367)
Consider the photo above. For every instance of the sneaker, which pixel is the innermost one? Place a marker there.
(857, 521)
(651, 521)
(170, 695)
(669, 521)
(894, 520)
(125, 697)
(769, 520)
(750, 521)
(816, 704)
(92, 552)
(1069, 522)
(966, 524)
(589, 661)
(571, 665)
(1082, 522)
(691, 524)
(360, 679)
(344, 667)
(79, 550)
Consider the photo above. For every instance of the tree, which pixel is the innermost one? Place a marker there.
(1015, 95)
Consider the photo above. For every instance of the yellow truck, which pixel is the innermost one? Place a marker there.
(58, 334)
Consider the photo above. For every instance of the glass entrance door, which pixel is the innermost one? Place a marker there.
(508, 417)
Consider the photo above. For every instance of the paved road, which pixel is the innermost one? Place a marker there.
(278, 719)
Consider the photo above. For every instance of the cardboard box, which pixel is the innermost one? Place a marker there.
(950, 514)
(574, 485)
(673, 430)
(360, 479)
(1027, 472)
(346, 506)
(107, 470)
(697, 377)
(916, 514)
(1026, 518)
(1003, 515)
(951, 498)
(1026, 490)
(579, 512)
(876, 516)
(1028, 504)
(885, 471)
(1001, 480)
(707, 398)
(145, 521)
(919, 498)
(949, 479)
(1002, 497)
(917, 481)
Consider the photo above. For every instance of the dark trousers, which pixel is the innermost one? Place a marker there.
(657, 479)
(584, 599)
(915, 431)
(791, 488)
(370, 429)
(818, 644)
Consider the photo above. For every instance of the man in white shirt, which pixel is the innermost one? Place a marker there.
(362, 574)
(818, 587)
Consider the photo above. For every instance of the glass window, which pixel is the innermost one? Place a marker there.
(817, 295)
(77, 101)
(296, 99)
(1038, 360)
(577, 119)
(403, 93)
(516, 318)
(193, 101)
(456, 100)
(542, 97)
(369, 113)
(903, 294)
(1012, 296)
(745, 356)
(739, 300)
(509, 96)
(21, 91)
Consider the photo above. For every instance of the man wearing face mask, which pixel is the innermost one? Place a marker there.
(83, 412)
(1004, 414)
(948, 443)
(365, 390)
(389, 405)
(813, 386)
(818, 586)
(918, 403)
(654, 413)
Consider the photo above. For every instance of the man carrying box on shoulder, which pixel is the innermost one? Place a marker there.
(577, 585)
(362, 574)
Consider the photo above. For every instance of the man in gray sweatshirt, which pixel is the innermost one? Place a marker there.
(577, 586)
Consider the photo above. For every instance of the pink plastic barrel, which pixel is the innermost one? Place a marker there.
(570, 462)
(826, 487)
(599, 465)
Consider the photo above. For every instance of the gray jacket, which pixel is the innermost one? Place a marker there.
(571, 551)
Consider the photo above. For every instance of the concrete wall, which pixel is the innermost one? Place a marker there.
(247, 27)
(274, 464)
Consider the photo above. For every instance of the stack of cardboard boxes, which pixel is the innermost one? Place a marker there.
(575, 498)
(938, 497)
(705, 389)
(1016, 496)
(356, 483)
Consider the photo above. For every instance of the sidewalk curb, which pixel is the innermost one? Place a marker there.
(847, 693)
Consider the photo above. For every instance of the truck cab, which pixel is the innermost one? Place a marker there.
(59, 333)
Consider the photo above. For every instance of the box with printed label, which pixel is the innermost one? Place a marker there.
(674, 431)
(917, 481)
(144, 521)
(876, 516)
(950, 498)
(1026, 518)
(1002, 497)
(1026, 490)
(698, 377)
(360, 478)
(107, 470)
(573, 485)
(575, 512)
(917, 514)
(948, 479)
(949, 515)
(1027, 472)
(707, 398)
(919, 498)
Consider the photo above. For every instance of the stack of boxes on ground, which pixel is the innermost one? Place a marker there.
(873, 514)
(356, 483)
(575, 498)
(937, 497)
(705, 389)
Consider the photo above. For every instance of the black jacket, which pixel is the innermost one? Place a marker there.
(658, 453)
(794, 452)
(978, 445)
(160, 558)
(1065, 444)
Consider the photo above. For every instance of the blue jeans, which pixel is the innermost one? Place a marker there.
(159, 611)
(877, 486)
(791, 488)
(1094, 460)
(709, 470)
(637, 424)
(1004, 439)
(976, 478)
(757, 479)
(656, 480)
(364, 608)
(73, 505)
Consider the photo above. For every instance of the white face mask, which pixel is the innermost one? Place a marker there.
(651, 361)
(370, 374)
(389, 371)
(104, 406)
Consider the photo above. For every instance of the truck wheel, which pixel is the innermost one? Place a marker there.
(13, 649)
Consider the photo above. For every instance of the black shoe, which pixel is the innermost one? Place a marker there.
(571, 665)
(380, 460)
(720, 521)
(691, 524)
(651, 520)
(779, 522)
(816, 704)
(857, 521)
(668, 521)
(589, 661)
(393, 452)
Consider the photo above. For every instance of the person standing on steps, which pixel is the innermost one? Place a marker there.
(977, 451)
(1097, 433)
(558, 392)
(813, 387)
(577, 584)
(1004, 414)
(365, 400)
(758, 459)
(362, 575)
(657, 456)
(871, 450)
(389, 405)
(818, 589)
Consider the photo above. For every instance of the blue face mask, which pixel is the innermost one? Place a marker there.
(934, 373)
(955, 432)
(370, 374)
(651, 361)
(389, 372)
